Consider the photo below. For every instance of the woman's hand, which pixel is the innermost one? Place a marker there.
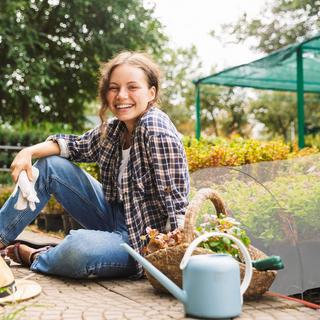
(22, 161)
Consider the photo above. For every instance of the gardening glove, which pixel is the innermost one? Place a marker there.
(27, 192)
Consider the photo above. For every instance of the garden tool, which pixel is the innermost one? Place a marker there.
(269, 263)
(211, 282)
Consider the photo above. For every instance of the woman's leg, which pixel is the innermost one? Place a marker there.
(79, 193)
(86, 253)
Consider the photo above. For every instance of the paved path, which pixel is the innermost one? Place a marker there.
(124, 299)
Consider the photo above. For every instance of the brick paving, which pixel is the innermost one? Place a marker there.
(96, 299)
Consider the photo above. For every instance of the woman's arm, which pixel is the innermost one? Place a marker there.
(23, 160)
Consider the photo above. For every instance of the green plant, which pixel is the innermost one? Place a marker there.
(91, 168)
(211, 222)
(5, 193)
(224, 224)
(267, 211)
(53, 206)
(237, 151)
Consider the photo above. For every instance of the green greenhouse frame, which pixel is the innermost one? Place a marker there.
(293, 68)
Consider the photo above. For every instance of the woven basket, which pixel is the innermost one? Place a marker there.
(168, 260)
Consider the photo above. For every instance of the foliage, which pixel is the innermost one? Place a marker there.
(278, 112)
(5, 192)
(180, 67)
(212, 222)
(50, 52)
(53, 206)
(313, 141)
(293, 197)
(281, 22)
(157, 240)
(238, 151)
(223, 111)
(224, 224)
(91, 168)
(27, 134)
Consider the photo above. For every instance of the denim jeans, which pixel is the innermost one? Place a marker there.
(92, 251)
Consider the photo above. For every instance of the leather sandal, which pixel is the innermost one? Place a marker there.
(34, 245)
(27, 262)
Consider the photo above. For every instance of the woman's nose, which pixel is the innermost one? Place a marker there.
(123, 93)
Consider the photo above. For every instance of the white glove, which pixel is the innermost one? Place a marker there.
(27, 192)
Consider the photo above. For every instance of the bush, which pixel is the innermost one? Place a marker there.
(297, 200)
(26, 134)
(5, 193)
(207, 153)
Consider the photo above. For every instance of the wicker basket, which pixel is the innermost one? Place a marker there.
(168, 260)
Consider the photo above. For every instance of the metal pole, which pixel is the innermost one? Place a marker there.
(300, 98)
(198, 116)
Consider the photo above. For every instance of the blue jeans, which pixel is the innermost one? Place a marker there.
(92, 251)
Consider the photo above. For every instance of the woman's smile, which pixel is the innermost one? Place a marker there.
(129, 94)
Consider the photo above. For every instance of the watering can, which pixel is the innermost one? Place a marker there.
(211, 282)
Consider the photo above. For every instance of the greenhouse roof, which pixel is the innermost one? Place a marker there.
(277, 71)
(293, 68)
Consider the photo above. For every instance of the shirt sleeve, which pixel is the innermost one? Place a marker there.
(79, 148)
(171, 173)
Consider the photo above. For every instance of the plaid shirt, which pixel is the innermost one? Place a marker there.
(155, 183)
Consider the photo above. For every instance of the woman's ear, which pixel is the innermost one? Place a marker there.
(152, 93)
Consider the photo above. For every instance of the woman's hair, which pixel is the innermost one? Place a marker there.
(136, 59)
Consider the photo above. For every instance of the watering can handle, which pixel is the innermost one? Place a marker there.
(248, 272)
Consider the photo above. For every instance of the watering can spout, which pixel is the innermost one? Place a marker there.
(165, 281)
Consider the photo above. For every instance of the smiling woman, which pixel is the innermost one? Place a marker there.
(144, 179)
(129, 94)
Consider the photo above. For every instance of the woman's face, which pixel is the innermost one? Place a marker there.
(129, 94)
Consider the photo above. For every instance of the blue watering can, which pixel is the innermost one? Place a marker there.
(211, 282)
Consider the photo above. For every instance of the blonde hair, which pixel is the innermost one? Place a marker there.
(137, 59)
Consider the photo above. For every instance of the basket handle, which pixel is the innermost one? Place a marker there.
(194, 207)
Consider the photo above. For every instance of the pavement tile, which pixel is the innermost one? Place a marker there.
(123, 299)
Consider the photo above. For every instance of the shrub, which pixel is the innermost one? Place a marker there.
(292, 197)
(5, 193)
(222, 152)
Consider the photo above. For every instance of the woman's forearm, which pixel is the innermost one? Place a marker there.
(43, 149)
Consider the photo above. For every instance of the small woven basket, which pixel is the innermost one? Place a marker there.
(168, 260)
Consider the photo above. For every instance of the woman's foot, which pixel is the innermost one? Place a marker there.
(21, 254)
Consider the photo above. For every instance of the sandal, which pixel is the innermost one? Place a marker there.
(27, 262)
(34, 245)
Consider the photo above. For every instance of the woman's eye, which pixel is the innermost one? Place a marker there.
(133, 87)
(113, 89)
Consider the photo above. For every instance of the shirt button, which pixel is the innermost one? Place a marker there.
(167, 190)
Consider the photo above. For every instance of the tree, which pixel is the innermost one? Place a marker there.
(180, 67)
(276, 111)
(223, 111)
(50, 52)
(281, 22)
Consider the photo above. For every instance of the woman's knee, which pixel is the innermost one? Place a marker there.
(51, 161)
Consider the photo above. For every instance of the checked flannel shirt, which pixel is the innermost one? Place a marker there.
(155, 183)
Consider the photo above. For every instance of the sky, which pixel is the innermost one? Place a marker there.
(189, 22)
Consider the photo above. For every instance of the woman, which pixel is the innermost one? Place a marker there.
(143, 170)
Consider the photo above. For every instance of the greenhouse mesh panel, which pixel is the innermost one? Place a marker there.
(278, 203)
